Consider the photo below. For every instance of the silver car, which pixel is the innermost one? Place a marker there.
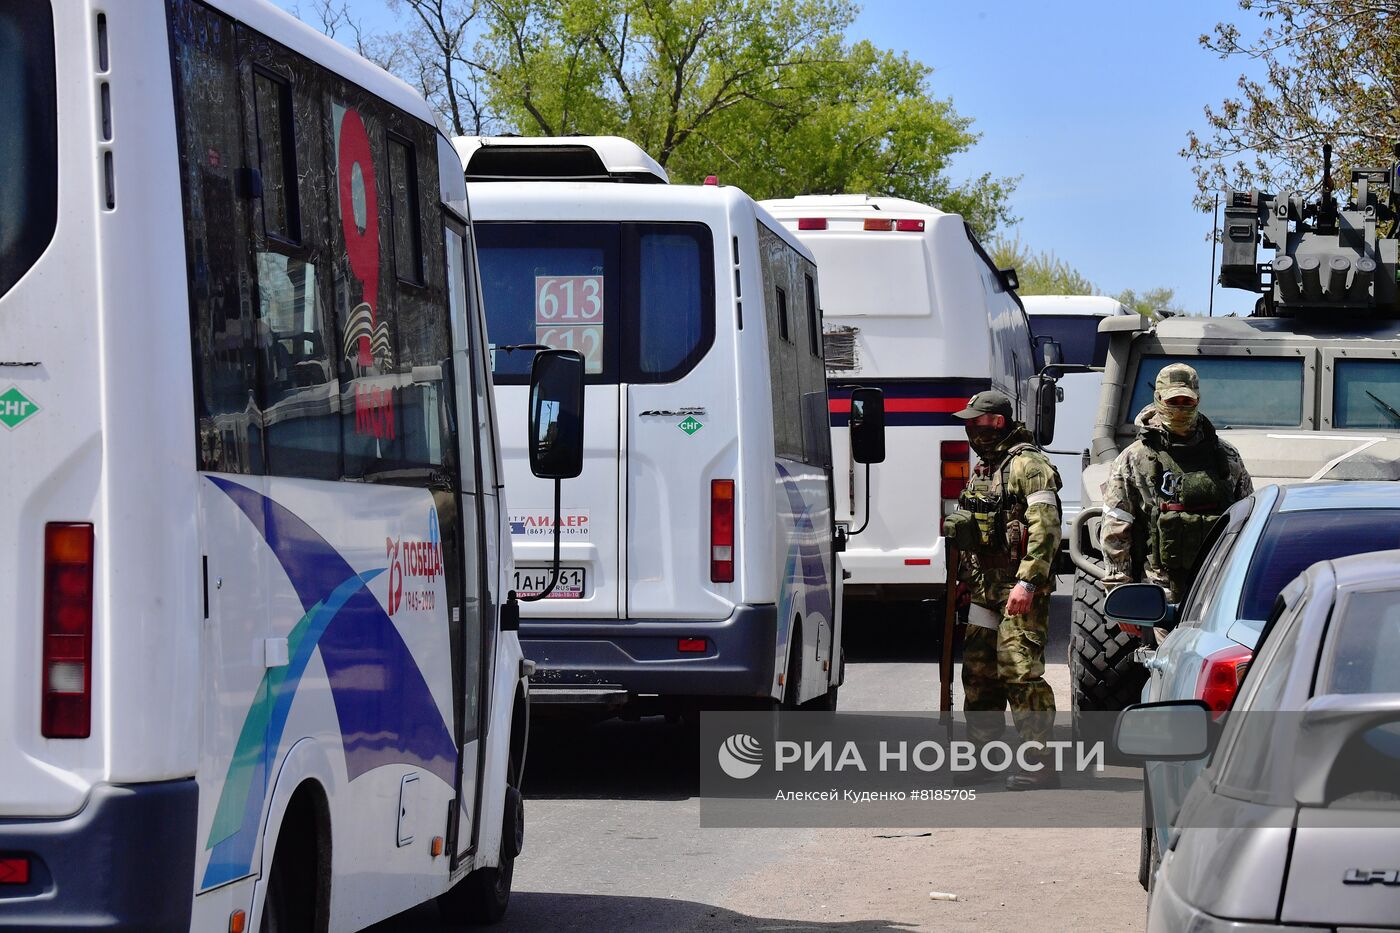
(1259, 545)
(1295, 822)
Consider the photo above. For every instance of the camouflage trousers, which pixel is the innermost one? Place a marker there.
(1007, 667)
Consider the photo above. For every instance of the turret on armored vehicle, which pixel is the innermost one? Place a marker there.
(1305, 388)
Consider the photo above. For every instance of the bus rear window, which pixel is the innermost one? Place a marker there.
(1366, 394)
(637, 300)
(29, 144)
(1236, 391)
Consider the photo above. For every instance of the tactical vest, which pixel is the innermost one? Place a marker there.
(999, 519)
(1193, 490)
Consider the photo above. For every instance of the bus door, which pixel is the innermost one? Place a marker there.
(680, 423)
(559, 285)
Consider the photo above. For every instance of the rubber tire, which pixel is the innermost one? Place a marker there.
(289, 906)
(1103, 676)
(1146, 840)
(792, 683)
(481, 898)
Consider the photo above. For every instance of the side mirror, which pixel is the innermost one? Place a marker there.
(510, 614)
(1047, 396)
(867, 424)
(1141, 604)
(1010, 281)
(1051, 353)
(839, 539)
(556, 414)
(1176, 730)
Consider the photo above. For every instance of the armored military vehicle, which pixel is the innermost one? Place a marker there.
(1306, 388)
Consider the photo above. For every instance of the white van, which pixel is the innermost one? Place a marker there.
(257, 667)
(1072, 321)
(698, 562)
(914, 306)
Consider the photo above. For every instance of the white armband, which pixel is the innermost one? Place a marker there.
(1044, 497)
(1124, 517)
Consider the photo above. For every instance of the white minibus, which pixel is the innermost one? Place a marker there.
(912, 305)
(1072, 321)
(697, 545)
(257, 665)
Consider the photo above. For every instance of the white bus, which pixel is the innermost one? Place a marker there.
(913, 306)
(1072, 321)
(698, 542)
(256, 668)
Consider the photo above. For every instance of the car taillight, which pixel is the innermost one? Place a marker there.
(722, 530)
(67, 670)
(1221, 673)
(811, 223)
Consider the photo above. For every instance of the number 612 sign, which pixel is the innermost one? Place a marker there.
(569, 315)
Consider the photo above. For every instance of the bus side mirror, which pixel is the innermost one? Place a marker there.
(1051, 353)
(1046, 397)
(556, 414)
(867, 424)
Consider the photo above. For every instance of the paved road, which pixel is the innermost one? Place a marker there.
(613, 839)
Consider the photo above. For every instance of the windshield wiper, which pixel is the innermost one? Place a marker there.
(1390, 409)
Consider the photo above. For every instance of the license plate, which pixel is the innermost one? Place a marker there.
(531, 581)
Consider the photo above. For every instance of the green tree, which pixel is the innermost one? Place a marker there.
(768, 94)
(1151, 302)
(1040, 273)
(1329, 72)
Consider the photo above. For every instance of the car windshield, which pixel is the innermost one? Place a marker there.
(1366, 394)
(1293, 541)
(1235, 390)
(1077, 334)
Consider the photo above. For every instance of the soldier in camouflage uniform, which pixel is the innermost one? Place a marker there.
(1167, 489)
(1008, 528)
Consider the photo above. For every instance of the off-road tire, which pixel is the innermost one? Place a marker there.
(1103, 676)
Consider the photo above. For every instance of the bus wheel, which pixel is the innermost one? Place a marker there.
(292, 899)
(482, 897)
(792, 683)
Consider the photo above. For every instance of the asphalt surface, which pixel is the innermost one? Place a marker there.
(613, 840)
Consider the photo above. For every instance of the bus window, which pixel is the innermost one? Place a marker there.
(403, 200)
(675, 307)
(210, 140)
(1077, 334)
(277, 162)
(29, 146)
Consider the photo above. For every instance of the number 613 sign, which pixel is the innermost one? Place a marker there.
(569, 315)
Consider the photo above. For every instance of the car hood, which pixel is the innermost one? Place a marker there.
(1283, 456)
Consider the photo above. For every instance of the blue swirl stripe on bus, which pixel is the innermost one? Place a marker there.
(397, 722)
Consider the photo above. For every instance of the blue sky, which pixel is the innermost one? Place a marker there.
(1089, 102)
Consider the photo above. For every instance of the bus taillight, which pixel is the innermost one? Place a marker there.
(722, 530)
(955, 468)
(811, 223)
(67, 671)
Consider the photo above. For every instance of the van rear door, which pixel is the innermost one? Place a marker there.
(559, 285)
(681, 429)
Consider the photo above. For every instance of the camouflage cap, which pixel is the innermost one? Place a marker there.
(990, 402)
(1177, 380)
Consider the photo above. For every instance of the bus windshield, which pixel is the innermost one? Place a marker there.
(1236, 391)
(1077, 334)
(29, 145)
